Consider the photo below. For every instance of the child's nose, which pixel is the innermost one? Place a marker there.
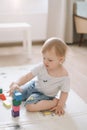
(46, 61)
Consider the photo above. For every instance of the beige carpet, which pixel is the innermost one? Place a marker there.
(74, 119)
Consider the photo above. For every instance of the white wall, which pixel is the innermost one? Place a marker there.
(33, 12)
(56, 18)
(60, 20)
(46, 20)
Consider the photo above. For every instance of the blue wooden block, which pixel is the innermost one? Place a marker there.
(17, 96)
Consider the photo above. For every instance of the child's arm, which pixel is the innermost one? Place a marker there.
(63, 98)
(24, 79)
(59, 109)
(21, 81)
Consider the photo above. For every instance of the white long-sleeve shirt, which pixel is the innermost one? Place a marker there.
(50, 85)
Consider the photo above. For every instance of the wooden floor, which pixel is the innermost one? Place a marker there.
(76, 63)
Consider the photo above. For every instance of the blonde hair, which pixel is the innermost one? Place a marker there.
(56, 43)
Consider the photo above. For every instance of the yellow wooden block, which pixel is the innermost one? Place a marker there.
(7, 104)
(46, 113)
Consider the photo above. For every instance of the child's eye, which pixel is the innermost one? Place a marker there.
(50, 60)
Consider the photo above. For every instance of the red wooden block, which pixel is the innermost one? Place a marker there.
(16, 108)
(2, 97)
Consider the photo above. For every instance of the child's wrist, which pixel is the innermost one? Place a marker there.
(61, 104)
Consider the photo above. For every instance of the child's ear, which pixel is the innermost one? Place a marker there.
(62, 60)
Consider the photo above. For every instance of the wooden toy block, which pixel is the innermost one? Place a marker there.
(15, 114)
(7, 104)
(16, 108)
(2, 97)
(48, 113)
(16, 103)
(17, 96)
(1, 91)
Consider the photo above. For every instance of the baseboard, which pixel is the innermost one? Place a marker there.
(38, 42)
(11, 44)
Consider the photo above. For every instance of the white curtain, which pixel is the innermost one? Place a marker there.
(60, 19)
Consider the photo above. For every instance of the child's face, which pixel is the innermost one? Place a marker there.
(51, 60)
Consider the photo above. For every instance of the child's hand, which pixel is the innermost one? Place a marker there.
(58, 110)
(13, 87)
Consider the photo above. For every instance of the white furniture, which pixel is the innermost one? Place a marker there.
(25, 28)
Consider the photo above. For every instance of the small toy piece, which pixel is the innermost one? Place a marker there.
(48, 113)
(16, 103)
(15, 114)
(7, 104)
(2, 97)
(16, 108)
(1, 91)
(17, 96)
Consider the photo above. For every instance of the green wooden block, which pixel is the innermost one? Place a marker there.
(16, 103)
(1, 91)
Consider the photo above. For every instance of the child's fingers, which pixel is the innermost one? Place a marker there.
(60, 112)
(19, 89)
(12, 89)
(10, 92)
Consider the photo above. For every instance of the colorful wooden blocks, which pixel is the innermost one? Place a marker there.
(2, 96)
(5, 101)
(16, 102)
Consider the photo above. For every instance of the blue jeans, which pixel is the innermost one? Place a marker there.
(31, 95)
